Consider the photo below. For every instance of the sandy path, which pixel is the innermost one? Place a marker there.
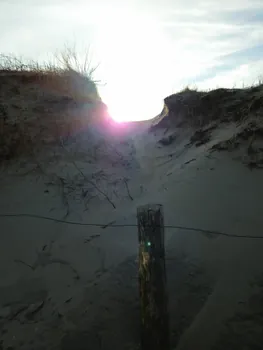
(86, 279)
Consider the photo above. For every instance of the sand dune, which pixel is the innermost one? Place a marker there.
(70, 286)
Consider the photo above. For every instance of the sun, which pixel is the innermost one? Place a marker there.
(134, 65)
(131, 107)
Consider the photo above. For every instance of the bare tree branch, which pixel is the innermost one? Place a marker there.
(91, 182)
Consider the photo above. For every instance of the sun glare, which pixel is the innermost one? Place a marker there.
(134, 64)
(122, 112)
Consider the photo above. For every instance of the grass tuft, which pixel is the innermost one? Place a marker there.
(198, 108)
(40, 103)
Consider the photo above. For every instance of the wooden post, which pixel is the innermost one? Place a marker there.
(155, 333)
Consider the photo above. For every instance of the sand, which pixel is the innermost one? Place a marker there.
(67, 286)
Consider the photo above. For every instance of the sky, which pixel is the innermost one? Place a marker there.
(147, 49)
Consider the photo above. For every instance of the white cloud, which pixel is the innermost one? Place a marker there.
(243, 75)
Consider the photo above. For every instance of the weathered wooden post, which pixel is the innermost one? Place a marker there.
(155, 333)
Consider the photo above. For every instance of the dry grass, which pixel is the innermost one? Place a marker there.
(39, 104)
(198, 108)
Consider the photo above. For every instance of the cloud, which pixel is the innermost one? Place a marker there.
(240, 76)
(216, 43)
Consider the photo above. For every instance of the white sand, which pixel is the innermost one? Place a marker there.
(84, 279)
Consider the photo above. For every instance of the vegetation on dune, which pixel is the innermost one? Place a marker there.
(52, 125)
(198, 108)
(40, 103)
(207, 113)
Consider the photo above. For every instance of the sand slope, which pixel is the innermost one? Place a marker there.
(67, 285)
(74, 287)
